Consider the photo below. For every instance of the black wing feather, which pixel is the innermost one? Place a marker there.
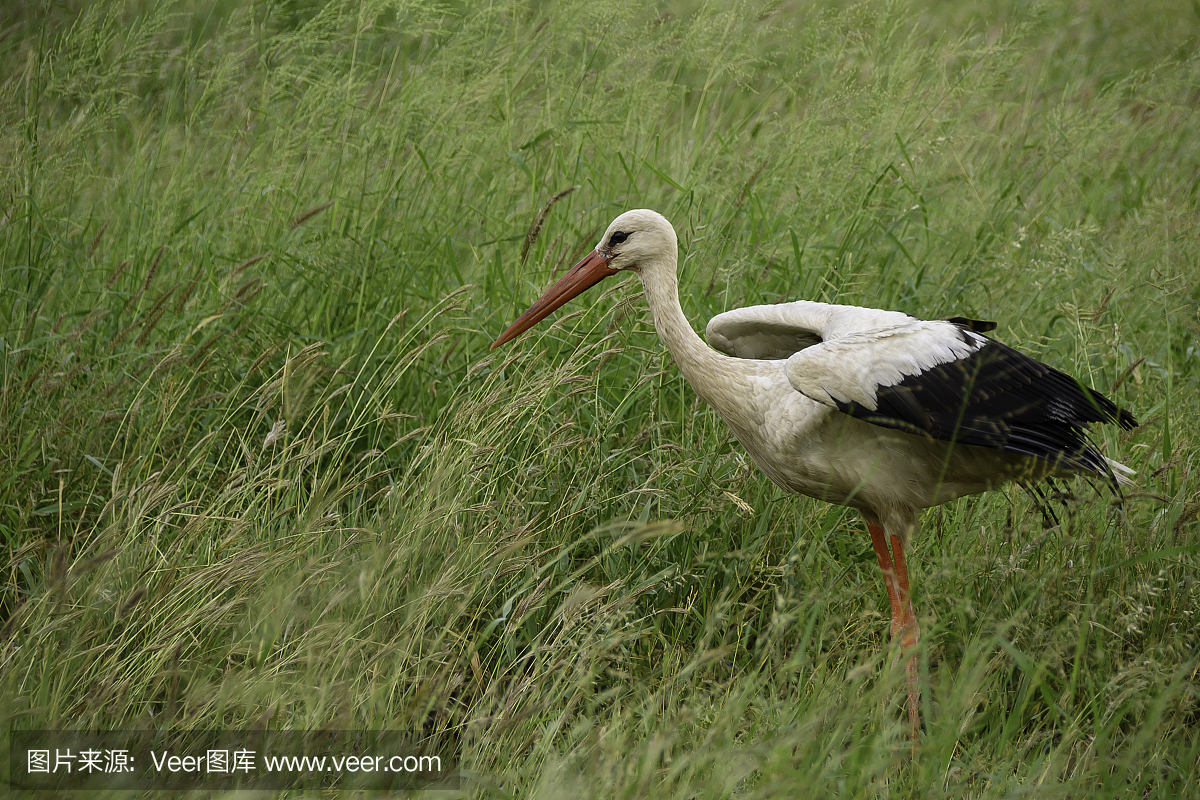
(1000, 398)
(977, 325)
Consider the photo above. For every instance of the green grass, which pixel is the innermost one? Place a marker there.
(257, 464)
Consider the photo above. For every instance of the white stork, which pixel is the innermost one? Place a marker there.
(875, 410)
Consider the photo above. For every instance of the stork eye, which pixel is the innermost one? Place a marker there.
(617, 238)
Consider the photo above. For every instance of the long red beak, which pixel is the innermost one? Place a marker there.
(582, 276)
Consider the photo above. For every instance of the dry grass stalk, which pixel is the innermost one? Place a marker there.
(307, 215)
(536, 226)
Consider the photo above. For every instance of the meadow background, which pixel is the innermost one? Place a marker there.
(258, 466)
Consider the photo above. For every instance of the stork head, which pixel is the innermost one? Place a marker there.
(634, 241)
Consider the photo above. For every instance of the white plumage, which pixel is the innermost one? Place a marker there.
(853, 367)
(875, 410)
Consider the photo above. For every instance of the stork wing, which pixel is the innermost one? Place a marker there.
(946, 381)
(778, 331)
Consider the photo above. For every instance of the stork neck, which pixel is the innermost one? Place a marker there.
(697, 361)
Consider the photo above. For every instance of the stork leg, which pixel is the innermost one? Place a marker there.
(904, 619)
(910, 635)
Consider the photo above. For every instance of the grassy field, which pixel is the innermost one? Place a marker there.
(258, 466)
